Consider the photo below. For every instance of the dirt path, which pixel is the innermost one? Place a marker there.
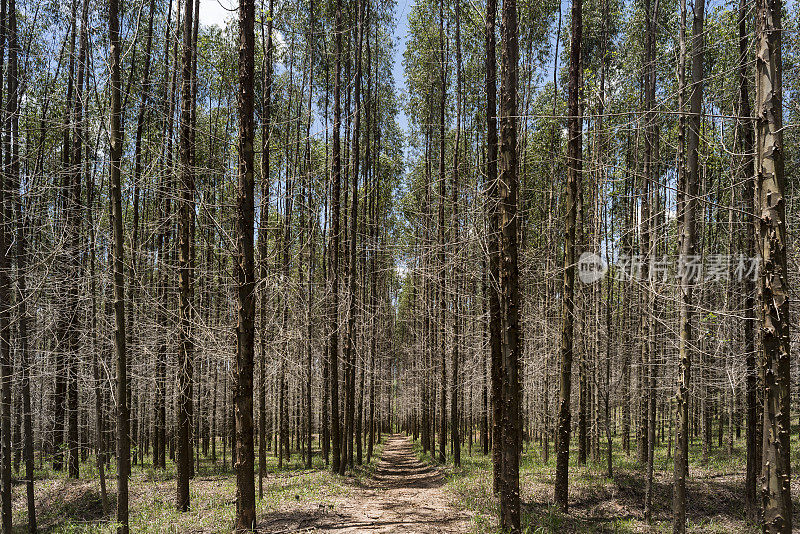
(404, 496)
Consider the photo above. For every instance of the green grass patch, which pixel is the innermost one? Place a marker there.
(74, 506)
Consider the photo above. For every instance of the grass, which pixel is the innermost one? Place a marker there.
(74, 506)
(599, 504)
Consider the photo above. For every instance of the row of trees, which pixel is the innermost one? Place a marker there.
(366, 295)
(636, 144)
(273, 215)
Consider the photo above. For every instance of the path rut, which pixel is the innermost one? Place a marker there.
(403, 496)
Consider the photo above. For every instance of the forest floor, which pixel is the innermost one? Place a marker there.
(395, 493)
(74, 506)
(403, 490)
(602, 504)
(403, 495)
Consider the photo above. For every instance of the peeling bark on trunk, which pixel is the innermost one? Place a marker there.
(773, 278)
(686, 246)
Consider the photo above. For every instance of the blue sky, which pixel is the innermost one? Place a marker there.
(215, 12)
(400, 37)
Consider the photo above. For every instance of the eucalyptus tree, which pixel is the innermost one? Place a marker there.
(245, 274)
(21, 252)
(333, 343)
(574, 170)
(495, 355)
(773, 277)
(747, 176)
(115, 134)
(690, 178)
(510, 304)
(186, 186)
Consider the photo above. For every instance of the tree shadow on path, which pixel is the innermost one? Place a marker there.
(404, 495)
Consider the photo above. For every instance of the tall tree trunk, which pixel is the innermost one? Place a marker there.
(244, 274)
(73, 231)
(493, 246)
(650, 173)
(508, 186)
(334, 246)
(609, 356)
(162, 243)
(374, 230)
(192, 243)
(686, 202)
(6, 369)
(286, 242)
(310, 237)
(574, 158)
(747, 178)
(374, 293)
(603, 229)
(123, 445)
(454, 422)
(645, 212)
(350, 341)
(21, 260)
(185, 267)
(99, 390)
(62, 367)
(266, 186)
(138, 437)
(441, 332)
(773, 278)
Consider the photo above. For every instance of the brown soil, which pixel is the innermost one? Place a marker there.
(403, 496)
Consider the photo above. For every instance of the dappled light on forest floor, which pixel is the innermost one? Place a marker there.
(403, 495)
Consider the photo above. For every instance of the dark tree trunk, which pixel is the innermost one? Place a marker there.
(441, 329)
(185, 267)
(747, 178)
(350, 340)
(493, 248)
(455, 389)
(686, 206)
(312, 249)
(12, 156)
(244, 273)
(123, 445)
(139, 440)
(73, 230)
(574, 170)
(650, 158)
(334, 246)
(266, 186)
(163, 248)
(5, 335)
(508, 186)
(60, 387)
